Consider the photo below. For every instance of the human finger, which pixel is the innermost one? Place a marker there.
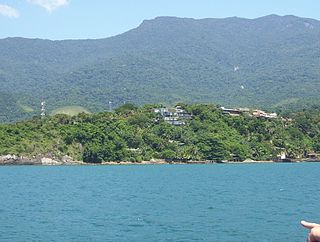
(309, 225)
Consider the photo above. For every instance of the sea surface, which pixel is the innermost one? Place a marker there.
(214, 202)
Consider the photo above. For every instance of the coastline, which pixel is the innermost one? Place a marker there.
(67, 161)
(179, 163)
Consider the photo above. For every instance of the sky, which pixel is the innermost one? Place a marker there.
(92, 19)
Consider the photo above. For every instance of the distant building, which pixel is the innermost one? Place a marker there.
(313, 156)
(174, 116)
(255, 113)
(234, 111)
(262, 114)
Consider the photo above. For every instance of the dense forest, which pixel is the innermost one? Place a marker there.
(270, 62)
(140, 134)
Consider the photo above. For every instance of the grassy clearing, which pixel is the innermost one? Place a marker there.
(70, 110)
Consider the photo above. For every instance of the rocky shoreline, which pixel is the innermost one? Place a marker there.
(38, 160)
(67, 160)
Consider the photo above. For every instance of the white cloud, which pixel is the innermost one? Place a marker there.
(49, 5)
(8, 11)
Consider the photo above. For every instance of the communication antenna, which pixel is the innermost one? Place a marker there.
(110, 108)
(43, 109)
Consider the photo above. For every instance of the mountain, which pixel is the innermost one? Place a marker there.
(270, 62)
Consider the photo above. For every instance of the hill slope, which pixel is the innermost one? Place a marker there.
(271, 61)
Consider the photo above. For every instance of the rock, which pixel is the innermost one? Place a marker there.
(49, 162)
(68, 160)
(38, 160)
(16, 160)
(5, 158)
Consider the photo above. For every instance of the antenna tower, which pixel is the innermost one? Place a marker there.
(110, 107)
(43, 109)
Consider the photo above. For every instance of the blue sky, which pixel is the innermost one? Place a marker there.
(83, 19)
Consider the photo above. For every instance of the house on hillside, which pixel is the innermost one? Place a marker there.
(174, 116)
(234, 111)
(262, 114)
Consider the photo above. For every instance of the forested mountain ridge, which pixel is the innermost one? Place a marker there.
(271, 61)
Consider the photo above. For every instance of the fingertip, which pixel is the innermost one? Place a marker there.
(305, 224)
(309, 225)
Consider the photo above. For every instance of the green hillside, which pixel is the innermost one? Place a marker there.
(270, 62)
(136, 134)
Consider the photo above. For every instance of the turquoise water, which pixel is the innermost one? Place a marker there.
(239, 202)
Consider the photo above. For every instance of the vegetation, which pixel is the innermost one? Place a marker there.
(70, 110)
(135, 134)
(266, 62)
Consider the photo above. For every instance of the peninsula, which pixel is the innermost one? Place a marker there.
(157, 134)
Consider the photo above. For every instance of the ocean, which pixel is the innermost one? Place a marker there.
(210, 202)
